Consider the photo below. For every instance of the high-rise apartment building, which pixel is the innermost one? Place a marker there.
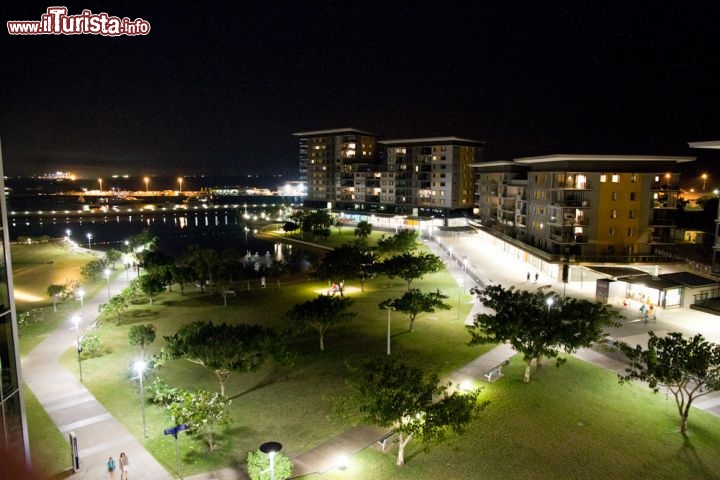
(332, 159)
(13, 435)
(350, 169)
(582, 205)
(432, 174)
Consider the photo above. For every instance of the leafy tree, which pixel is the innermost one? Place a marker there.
(343, 263)
(55, 291)
(414, 302)
(151, 284)
(410, 267)
(141, 335)
(689, 368)
(363, 230)
(112, 256)
(317, 222)
(321, 313)
(140, 245)
(182, 275)
(163, 394)
(276, 270)
(535, 327)
(202, 411)
(93, 270)
(91, 344)
(389, 393)
(225, 348)
(258, 465)
(203, 261)
(289, 227)
(117, 305)
(402, 242)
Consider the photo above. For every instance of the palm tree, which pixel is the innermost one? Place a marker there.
(363, 229)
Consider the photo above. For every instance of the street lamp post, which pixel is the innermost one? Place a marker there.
(147, 181)
(389, 309)
(76, 321)
(106, 274)
(68, 234)
(81, 294)
(100, 182)
(550, 301)
(89, 235)
(140, 369)
(270, 449)
(180, 185)
(704, 179)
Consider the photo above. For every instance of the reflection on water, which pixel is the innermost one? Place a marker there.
(220, 229)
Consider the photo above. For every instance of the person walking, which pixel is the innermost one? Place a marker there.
(124, 466)
(528, 277)
(111, 468)
(537, 275)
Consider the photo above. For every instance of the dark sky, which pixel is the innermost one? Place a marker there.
(219, 87)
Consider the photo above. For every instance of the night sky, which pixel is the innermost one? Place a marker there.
(219, 87)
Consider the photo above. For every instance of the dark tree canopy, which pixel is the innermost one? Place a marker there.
(390, 393)
(410, 267)
(363, 229)
(414, 302)
(538, 328)
(344, 263)
(225, 348)
(402, 242)
(321, 313)
(689, 368)
(141, 335)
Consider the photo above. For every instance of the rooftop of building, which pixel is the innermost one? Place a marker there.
(334, 131)
(430, 141)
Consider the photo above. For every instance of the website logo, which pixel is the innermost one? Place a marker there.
(56, 21)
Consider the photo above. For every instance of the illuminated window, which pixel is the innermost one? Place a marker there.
(603, 178)
(633, 177)
(614, 196)
(615, 178)
(613, 213)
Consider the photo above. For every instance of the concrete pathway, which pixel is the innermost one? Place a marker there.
(73, 409)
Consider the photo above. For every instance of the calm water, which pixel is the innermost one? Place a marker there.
(214, 228)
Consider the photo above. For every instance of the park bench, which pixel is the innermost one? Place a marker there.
(382, 441)
(496, 372)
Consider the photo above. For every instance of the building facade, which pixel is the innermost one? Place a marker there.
(715, 144)
(332, 160)
(349, 169)
(582, 205)
(13, 436)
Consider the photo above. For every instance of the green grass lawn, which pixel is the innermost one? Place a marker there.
(572, 422)
(50, 449)
(292, 403)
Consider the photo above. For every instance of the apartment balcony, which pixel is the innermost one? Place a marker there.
(568, 239)
(671, 185)
(572, 186)
(569, 221)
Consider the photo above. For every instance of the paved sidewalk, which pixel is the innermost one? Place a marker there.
(73, 409)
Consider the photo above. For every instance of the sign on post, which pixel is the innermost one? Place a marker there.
(74, 451)
(174, 431)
